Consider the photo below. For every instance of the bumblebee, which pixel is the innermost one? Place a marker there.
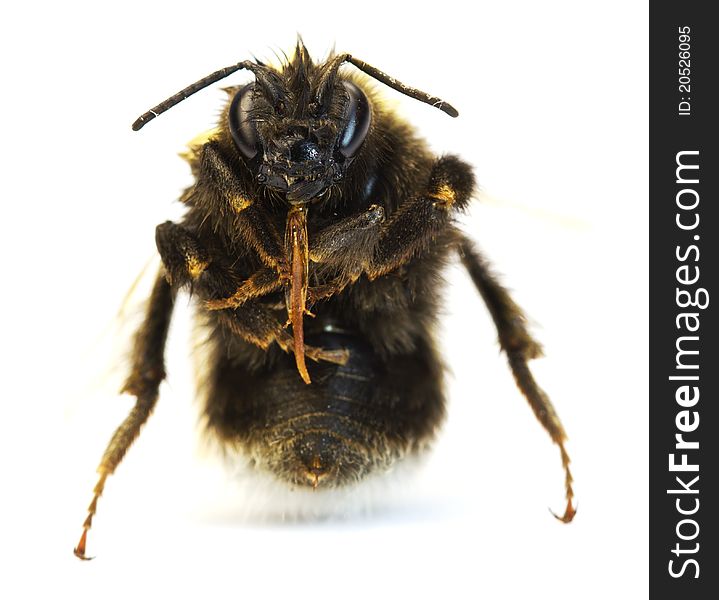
(313, 241)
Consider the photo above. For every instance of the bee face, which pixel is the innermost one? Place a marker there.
(299, 132)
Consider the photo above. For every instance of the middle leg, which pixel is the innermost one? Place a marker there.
(257, 324)
(187, 263)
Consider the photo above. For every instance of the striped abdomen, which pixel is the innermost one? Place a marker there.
(350, 420)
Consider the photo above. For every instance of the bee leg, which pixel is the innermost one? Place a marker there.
(345, 247)
(250, 220)
(520, 347)
(181, 255)
(216, 171)
(415, 225)
(326, 290)
(148, 371)
(258, 325)
(367, 243)
(260, 234)
(184, 259)
(260, 283)
(348, 243)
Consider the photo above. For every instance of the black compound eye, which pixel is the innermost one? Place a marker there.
(358, 116)
(242, 128)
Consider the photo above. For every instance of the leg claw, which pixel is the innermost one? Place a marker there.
(568, 515)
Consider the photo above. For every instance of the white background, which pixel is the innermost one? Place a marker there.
(553, 113)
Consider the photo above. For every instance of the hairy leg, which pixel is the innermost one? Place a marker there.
(407, 233)
(344, 246)
(147, 372)
(520, 347)
(254, 322)
(257, 324)
(261, 283)
(250, 220)
(413, 228)
(367, 243)
(184, 259)
(348, 244)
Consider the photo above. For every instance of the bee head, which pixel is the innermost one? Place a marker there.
(299, 129)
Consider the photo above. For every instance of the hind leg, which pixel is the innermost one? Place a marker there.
(520, 347)
(147, 373)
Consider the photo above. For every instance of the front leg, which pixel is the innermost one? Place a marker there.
(343, 248)
(366, 243)
(412, 229)
(250, 221)
(181, 254)
(185, 261)
(382, 247)
(347, 245)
